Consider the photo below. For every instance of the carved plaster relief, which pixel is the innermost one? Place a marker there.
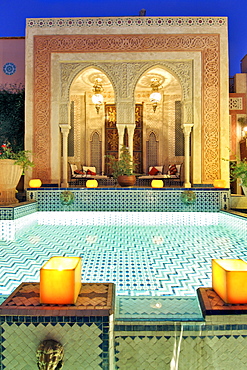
(208, 45)
(124, 76)
(63, 113)
(79, 132)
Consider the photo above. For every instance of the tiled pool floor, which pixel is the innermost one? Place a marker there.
(144, 254)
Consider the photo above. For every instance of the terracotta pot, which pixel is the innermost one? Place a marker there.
(10, 176)
(126, 181)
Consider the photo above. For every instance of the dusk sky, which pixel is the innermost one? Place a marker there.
(13, 15)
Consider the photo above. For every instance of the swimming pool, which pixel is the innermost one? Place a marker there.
(144, 254)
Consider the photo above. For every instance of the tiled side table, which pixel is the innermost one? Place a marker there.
(84, 329)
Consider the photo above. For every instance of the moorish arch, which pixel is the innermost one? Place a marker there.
(87, 132)
(162, 124)
(84, 120)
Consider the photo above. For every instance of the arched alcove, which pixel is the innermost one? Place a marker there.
(162, 124)
(87, 133)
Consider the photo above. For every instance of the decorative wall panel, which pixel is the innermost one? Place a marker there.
(207, 44)
(138, 139)
(111, 134)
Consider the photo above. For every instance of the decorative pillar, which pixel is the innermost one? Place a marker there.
(65, 132)
(125, 108)
(187, 130)
(131, 130)
(120, 128)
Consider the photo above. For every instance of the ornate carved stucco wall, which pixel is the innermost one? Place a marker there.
(190, 37)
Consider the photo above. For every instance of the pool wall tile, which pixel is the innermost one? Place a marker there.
(130, 200)
(190, 346)
(18, 210)
(82, 343)
(85, 329)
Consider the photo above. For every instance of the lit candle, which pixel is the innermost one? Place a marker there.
(229, 278)
(157, 183)
(60, 280)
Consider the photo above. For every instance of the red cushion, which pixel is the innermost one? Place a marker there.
(173, 169)
(89, 172)
(79, 172)
(153, 171)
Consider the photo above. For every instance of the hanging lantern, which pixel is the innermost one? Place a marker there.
(97, 98)
(155, 96)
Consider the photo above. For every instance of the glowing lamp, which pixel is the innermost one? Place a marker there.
(97, 98)
(229, 278)
(157, 183)
(35, 183)
(92, 183)
(219, 183)
(60, 280)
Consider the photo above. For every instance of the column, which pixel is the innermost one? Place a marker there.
(126, 118)
(65, 132)
(131, 130)
(187, 130)
(120, 128)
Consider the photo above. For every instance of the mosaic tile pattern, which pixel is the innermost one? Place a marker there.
(180, 350)
(161, 259)
(178, 345)
(84, 329)
(10, 229)
(131, 200)
(94, 299)
(162, 308)
(118, 22)
(212, 304)
(16, 211)
(82, 344)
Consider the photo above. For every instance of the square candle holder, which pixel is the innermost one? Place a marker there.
(60, 280)
(229, 280)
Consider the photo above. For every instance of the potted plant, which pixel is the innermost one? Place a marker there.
(122, 168)
(12, 166)
(239, 171)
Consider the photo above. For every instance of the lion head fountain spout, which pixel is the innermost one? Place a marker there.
(50, 355)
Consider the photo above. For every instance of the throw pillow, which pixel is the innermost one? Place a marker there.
(89, 172)
(79, 172)
(153, 171)
(173, 169)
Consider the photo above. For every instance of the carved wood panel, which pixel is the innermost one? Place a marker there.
(111, 134)
(138, 139)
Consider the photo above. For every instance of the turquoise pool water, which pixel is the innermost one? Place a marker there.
(152, 254)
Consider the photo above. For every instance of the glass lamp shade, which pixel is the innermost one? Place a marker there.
(218, 183)
(155, 97)
(35, 183)
(60, 280)
(157, 183)
(229, 280)
(97, 99)
(92, 183)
